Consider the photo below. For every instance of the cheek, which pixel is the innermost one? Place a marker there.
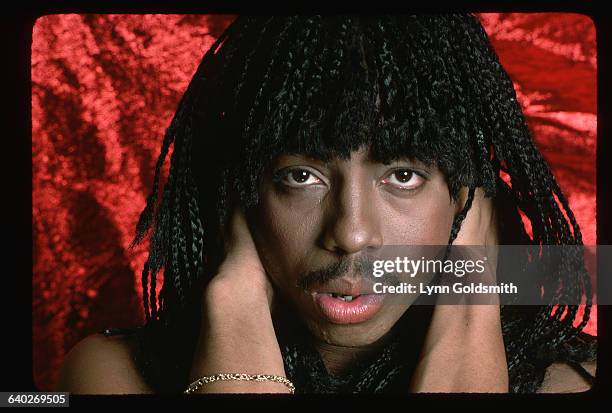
(424, 220)
(284, 236)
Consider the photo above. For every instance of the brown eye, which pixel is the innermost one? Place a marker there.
(403, 176)
(300, 175)
(297, 178)
(404, 179)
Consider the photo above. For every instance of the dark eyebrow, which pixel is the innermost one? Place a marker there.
(307, 157)
(397, 158)
(310, 157)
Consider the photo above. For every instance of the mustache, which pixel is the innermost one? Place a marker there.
(361, 266)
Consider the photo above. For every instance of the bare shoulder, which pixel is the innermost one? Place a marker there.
(102, 365)
(561, 378)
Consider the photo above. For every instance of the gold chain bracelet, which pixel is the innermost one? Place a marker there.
(239, 377)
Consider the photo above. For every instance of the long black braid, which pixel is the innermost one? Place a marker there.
(428, 86)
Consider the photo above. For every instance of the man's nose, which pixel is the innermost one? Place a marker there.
(352, 224)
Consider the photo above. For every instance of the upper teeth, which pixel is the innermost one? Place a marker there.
(343, 297)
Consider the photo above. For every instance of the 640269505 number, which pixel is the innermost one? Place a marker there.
(34, 398)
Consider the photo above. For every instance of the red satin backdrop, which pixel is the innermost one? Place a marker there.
(104, 88)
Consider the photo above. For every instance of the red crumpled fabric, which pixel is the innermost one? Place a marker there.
(104, 88)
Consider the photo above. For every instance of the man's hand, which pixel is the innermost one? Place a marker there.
(241, 270)
(237, 334)
(464, 349)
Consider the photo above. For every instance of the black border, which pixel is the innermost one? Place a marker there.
(17, 23)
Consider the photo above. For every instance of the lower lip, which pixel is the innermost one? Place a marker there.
(358, 310)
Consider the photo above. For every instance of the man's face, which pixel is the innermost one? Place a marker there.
(313, 215)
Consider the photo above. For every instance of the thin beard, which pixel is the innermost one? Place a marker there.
(362, 266)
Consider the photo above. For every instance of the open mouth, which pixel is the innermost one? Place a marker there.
(341, 308)
(343, 297)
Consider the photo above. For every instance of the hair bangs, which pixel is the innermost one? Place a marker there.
(386, 91)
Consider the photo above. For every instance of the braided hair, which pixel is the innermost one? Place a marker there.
(428, 86)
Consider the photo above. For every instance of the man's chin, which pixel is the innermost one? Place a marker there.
(347, 335)
(361, 334)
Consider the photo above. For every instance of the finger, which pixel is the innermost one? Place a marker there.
(237, 233)
(469, 230)
(238, 225)
(476, 226)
